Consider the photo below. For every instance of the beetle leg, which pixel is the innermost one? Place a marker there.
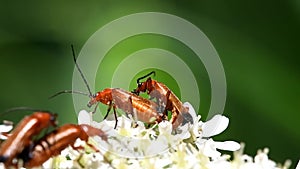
(130, 106)
(174, 115)
(115, 113)
(94, 111)
(167, 104)
(77, 148)
(108, 110)
(176, 118)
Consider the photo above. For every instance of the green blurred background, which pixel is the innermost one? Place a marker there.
(256, 41)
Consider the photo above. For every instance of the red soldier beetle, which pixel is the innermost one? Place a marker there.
(165, 98)
(140, 108)
(53, 143)
(22, 135)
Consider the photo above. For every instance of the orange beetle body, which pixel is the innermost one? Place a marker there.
(140, 108)
(56, 141)
(23, 133)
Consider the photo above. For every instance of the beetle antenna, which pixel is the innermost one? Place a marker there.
(24, 109)
(81, 74)
(68, 91)
(143, 77)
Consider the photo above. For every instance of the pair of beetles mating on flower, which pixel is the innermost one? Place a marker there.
(21, 146)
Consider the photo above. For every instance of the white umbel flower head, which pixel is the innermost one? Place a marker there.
(132, 145)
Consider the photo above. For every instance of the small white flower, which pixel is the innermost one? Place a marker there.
(227, 145)
(165, 128)
(160, 145)
(215, 126)
(4, 129)
(262, 159)
(120, 163)
(95, 160)
(84, 117)
(220, 163)
(208, 148)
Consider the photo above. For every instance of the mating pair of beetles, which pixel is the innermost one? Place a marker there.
(145, 110)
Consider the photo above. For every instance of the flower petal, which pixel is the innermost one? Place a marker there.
(165, 127)
(228, 145)
(192, 111)
(210, 150)
(215, 126)
(3, 137)
(84, 117)
(5, 128)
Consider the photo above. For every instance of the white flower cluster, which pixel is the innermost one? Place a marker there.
(132, 145)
